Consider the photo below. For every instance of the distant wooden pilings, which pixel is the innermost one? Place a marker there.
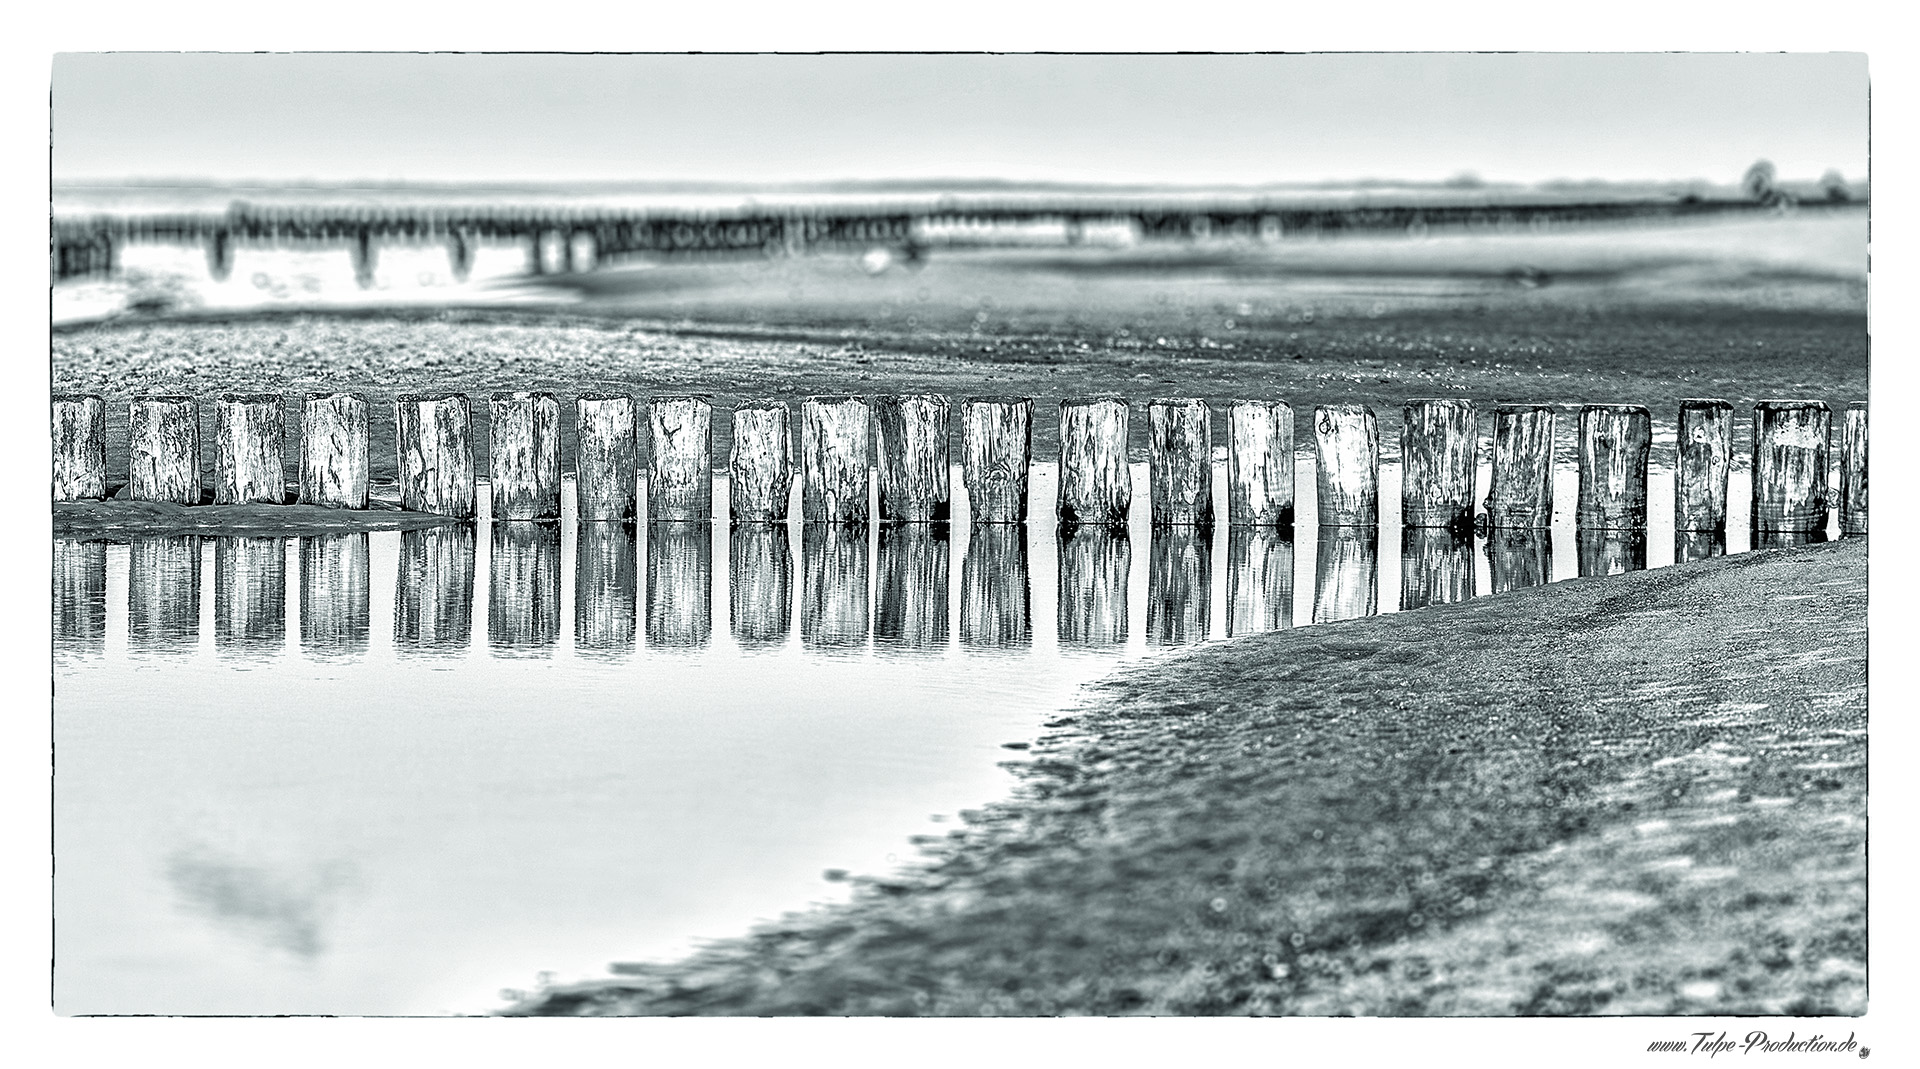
(1096, 488)
(679, 459)
(835, 440)
(333, 451)
(249, 442)
(910, 433)
(1347, 461)
(523, 455)
(435, 445)
(79, 447)
(1703, 458)
(1790, 466)
(1437, 458)
(1180, 463)
(996, 448)
(1260, 469)
(910, 593)
(606, 458)
(1520, 494)
(1259, 579)
(1615, 442)
(1091, 590)
(1853, 471)
(163, 450)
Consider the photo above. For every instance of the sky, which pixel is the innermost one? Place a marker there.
(1193, 119)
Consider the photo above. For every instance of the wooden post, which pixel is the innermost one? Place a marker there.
(1259, 580)
(760, 468)
(163, 450)
(1615, 441)
(1180, 462)
(1703, 457)
(1346, 574)
(996, 441)
(249, 595)
(1092, 586)
(679, 460)
(835, 435)
(1179, 586)
(1096, 489)
(605, 567)
(433, 598)
(1790, 466)
(1260, 464)
(249, 442)
(606, 466)
(910, 440)
(1519, 557)
(760, 574)
(435, 436)
(1347, 451)
(1438, 443)
(79, 597)
(79, 447)
(1605, 551)
(833, 588)
(333, 451)
(1853, 471)
(523, 456)
(336, 602)
(679, 583)
(910, 597)
(1698, 545)
(1436, 566)
(163, 594)
(523, 589)
(1521, 492)
(995, 598)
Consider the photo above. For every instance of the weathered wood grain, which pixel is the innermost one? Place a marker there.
(1520, 493)
(523, 455)
(1096, 488)
(606, 466)
(996, 436)
(760, 467)
(1260, 469)
(1703, 458)
(163, 449)
(1790, 466)
(1180, 462)
(79, 447)
(606, 570)
(249, 443)
(1853, 471)
(679, 459)
(333, 451)
(1347, 454)
(910, 433)
(1179, 586)
(435, 444)
(836, 436)
(1615, 442)
(760, 581)
(1438, 445)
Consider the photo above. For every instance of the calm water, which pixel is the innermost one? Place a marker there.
(396, 773)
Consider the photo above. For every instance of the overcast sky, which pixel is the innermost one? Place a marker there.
(1187, 119)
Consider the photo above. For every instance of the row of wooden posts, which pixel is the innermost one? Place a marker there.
(840, 436)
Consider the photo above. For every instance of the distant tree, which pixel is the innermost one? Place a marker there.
(1835, 185)
(1759, 181)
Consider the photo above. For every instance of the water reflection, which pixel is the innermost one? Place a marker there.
(1346, 574)
(995, 599)
(1519, 557)
(1787, 539)
(163, 594)
(282, 911)
(1698, 545)
(523, 588)
(1179, 585)
(1436, 567)
(1611, 552)
(79, 596)
(833, 586)
(433, 600)
(605, 566)
(760, 569)
(910, 597)
(336, 597)
(1092, 604)
(249, 595)
(1259, 580)
(679, 584)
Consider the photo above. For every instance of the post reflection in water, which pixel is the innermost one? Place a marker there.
(1259, 580)
(833, 585)
(1698, 545)
(249, 594)
(995, 598)
(1179, 585)
(605, 567)
(910, 597)
(679, 583)
(1346, 574)
(79, 596)
(336, 603)
(433, 593)
(1094, 563)
(1786, 539)
(1519, 557)
(760, 569)
(1611, 552)
(1436, 567)
(163, 594)
(523, 588)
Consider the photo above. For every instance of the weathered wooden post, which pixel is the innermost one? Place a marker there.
(1347, 455)
(605, 568)
(1853, 471)
(1610, 551)
(1092, 586)
(760, 467)
(679, 460)
(760, 577)
(606, 467)
(835, 436)
(833, 588)
(433, 591)
(1438, 440)
(1703, 457)
(1519, 557)
(163, 594)
(1260, 464)
(1179, 586)
(1436, 566)
(1180, 462)
(336, 602)
(996, 441)
(1520, 494)
(910, 440)
(995, 597)
(1259, 580)
(910, 595)
(79, 447)
(1615, 441)
(523, 589)
(435, 436)
(163, 450)
(333, 451)
(1096, 489)
(523, 456)
(249, 594)
(249, 442)
(1346, 574)
(79, 596)
(679, 583)
(1790, 466)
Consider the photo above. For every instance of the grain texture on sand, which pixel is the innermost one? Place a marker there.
(1637, 795)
